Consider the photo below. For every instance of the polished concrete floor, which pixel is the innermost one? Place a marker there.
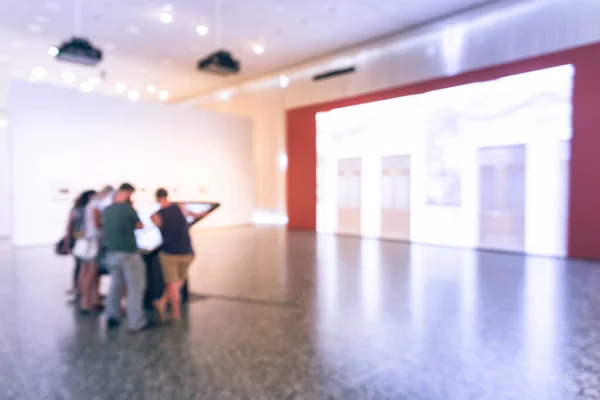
(304, 316)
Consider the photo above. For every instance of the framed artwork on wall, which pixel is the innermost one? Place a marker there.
(63, 191)
(144, 192)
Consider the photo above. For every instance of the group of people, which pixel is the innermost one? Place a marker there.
(101, 235)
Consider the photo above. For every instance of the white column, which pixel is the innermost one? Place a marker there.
(542, 230)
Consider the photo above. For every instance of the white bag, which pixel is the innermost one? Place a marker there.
(86, 249)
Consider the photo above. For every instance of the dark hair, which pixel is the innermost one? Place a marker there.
(162, 193)
(84, 198)
(126, 187)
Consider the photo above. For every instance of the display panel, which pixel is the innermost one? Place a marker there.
(149, 238)
(484, 165)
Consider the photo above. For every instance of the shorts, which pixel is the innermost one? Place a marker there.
(175, 266)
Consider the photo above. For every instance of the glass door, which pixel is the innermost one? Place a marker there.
(502, 198)
(349, 196)
(395, 197)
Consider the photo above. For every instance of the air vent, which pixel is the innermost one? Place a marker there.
(334, 73)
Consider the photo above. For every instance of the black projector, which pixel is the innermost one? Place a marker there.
(79, 51)
(220, 63)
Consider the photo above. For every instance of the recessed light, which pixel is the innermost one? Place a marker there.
(52, 6)
(133, 30)
(151, 89)
(38, 73)
(284, 81)
(68, 77)
(163, 95)
(120, 87)
(224, 95)
(87, 87)
(42, 19)
(133, 95)
(166, 18)
(202, 30)
(53, 51)
(36, 28)
(258, 48)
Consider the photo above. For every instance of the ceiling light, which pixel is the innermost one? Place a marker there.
(202, 30)
(163, 95)
(3, 123)
(53, 51)
(87, 87)
(34, 28)
(224, 95)
(68, 77)
(133, 95)
(120, 87)
(52, 6)
(284, 81)
(258, 48)
(151, 89)
(133, 30)
(166, 18)
(38, 73)
(42, 19)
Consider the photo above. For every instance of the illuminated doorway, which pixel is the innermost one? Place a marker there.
(502, 198)
(395, 197)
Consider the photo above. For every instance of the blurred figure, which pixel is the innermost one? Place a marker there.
(76, 230)
(94, 212)
(86, 250)
(176, 253)
(127, 269)
(90, 276)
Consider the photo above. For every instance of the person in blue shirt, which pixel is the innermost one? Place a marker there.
(176, 253)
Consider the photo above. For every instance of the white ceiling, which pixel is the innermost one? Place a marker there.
(165, 55)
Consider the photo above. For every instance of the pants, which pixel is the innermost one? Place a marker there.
(76, 273)
(129, 270)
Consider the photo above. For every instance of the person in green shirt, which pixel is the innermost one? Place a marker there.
(124, 262)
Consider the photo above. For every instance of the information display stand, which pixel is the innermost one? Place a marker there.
(149, 242)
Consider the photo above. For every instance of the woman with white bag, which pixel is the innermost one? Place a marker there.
(86, 250)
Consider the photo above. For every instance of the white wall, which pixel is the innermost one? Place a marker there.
(266, 111)
(62, 137)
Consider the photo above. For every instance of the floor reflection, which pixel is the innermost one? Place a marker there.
(372, 319)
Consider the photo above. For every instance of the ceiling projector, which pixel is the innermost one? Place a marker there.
(80, 51)
(220, 63)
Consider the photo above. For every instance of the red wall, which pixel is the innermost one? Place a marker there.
(584, 192)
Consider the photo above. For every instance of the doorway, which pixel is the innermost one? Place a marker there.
(395, 197)
(349, 196)
(502, 198)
